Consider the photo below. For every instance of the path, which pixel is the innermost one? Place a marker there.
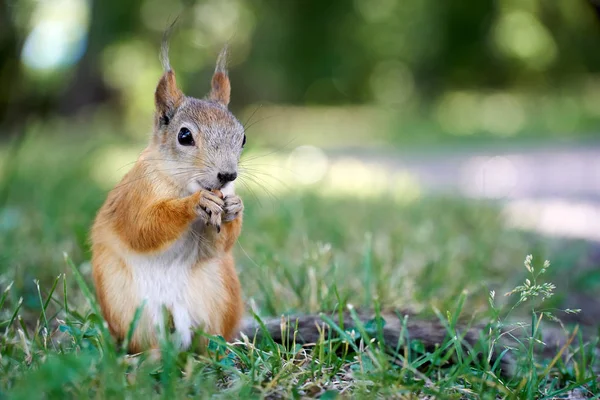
(552, 189)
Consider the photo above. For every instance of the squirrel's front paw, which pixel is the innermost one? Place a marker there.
(209, 208)
(232, 208)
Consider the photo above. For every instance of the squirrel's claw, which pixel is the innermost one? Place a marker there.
(209, 209)
(232, 208)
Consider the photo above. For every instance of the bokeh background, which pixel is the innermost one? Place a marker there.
(407, 71)
(386, 104)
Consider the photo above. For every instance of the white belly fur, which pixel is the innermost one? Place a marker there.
(173, 279)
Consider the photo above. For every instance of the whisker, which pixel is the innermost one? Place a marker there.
(251, 191)
(248, 256)
(151, 159)
(285, 147)
(280, 181)
(251, 115)
(268, 191)
(263, 171)
(200, 238)
(149, 174)
(260, 120)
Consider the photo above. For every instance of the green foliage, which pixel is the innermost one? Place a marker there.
(476, 68)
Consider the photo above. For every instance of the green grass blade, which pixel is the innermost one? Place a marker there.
(136, 318)
(342, 333)
(14, 315)
(106, 337)
(37, 284)
(66, 304)
(87, 293)
(5, 294)
(24, 327)
(51, 292)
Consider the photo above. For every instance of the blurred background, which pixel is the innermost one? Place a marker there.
(386, 101)
(406, 71)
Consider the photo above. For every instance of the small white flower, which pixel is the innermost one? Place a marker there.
(571, 311)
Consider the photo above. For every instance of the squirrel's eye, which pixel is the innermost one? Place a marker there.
(185, 137)
(244, 142)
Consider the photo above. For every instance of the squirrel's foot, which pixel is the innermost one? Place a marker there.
(209, 209)
(232, 208)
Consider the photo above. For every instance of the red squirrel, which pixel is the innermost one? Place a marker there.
(165, 233)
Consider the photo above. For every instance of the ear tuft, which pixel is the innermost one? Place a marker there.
(167, 96)
(220, 86)
(164, 48)
(222, 60)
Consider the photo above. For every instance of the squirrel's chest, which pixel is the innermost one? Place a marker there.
(175, 280)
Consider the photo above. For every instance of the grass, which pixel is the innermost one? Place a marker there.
(299, 252)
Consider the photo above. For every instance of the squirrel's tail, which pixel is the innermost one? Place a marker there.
(395, 328)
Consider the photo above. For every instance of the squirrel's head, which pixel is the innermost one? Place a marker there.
(199, 141)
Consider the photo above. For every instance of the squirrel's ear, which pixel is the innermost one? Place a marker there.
(167, 97)
(220, 88)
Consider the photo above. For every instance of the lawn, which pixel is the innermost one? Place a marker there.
(301, 251)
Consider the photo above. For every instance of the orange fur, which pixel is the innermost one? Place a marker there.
(167, 96)
(234, 308)
(143, 221)
(220, 88)
(112, 280)
(229, 234)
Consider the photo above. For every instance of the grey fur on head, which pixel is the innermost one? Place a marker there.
(213, 154)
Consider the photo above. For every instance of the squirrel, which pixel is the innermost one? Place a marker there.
(163, 238)
(165, 233)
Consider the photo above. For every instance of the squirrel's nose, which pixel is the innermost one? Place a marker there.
(225, 177)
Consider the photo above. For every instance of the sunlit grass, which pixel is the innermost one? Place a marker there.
(304, 248)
